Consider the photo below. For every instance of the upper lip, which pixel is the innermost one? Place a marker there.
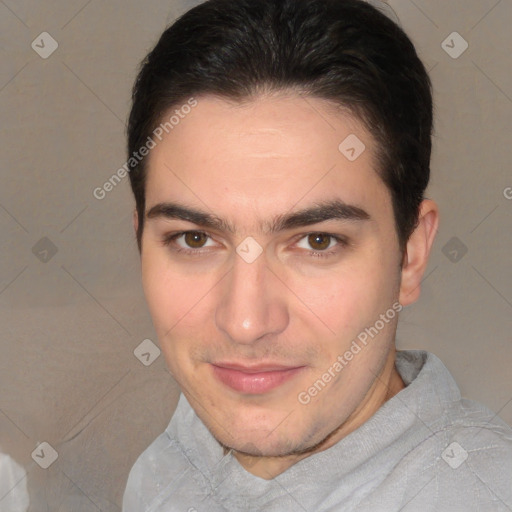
(256, 368)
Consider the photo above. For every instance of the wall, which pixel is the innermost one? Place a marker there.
(72, 308)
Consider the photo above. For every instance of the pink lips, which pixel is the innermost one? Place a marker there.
(255, 379)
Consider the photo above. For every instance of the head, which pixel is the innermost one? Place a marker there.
(290, 140)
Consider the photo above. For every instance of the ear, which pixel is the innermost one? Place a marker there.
(135, 220)
(417, 252)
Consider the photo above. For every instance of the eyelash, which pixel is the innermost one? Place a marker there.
(170, 238)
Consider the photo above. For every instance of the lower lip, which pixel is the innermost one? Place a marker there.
(254, 383)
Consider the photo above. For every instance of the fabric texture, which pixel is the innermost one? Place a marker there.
(13, 486)
(425, 449)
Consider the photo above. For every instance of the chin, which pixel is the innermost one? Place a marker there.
(263, 440)
(263, 447)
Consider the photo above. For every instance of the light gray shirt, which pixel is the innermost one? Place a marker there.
(426, 449)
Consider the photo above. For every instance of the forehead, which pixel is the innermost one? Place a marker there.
(264, 156)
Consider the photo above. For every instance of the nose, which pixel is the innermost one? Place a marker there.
(252, 304)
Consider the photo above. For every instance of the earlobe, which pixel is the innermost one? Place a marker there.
(417, 252)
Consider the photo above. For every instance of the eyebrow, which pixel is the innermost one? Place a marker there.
(319, 212)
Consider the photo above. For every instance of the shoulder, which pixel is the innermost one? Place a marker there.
(159, 469)
(480, 444)
(466, 459)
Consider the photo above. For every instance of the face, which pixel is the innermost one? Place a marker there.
(266, 252)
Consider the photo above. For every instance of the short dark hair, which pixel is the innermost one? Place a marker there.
(346, 51)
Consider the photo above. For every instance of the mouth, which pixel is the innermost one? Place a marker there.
(254, 380)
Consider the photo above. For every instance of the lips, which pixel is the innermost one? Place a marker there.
(254, 380)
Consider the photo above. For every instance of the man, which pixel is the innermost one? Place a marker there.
(283, 152)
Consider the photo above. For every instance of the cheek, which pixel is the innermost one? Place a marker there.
(156, 283)
(172, 295)
(176, 301)
(346, 299)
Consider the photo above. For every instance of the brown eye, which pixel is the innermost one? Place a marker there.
(195, 239)
(319, 241)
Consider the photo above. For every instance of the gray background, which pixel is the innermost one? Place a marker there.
(71, 320)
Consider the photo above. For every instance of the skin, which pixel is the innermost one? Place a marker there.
(248, 163)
